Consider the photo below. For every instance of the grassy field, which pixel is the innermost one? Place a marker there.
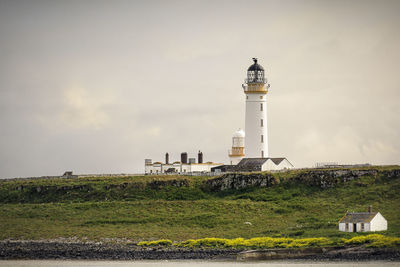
(101, 208)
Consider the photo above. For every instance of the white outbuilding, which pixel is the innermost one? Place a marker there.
(263, 164)
(184, 166)
(362, 222)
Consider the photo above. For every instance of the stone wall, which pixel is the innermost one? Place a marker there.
(320, 178)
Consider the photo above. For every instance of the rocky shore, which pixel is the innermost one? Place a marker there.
(12, 249)
(321, 254)
(33, 250)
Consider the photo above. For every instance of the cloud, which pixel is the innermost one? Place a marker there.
(79, 108)
(84, 109)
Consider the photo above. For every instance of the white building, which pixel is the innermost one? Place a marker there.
(255, 89)
(253, 155)
(263, 164)
(362, 222)
(236, 154)
(180, 167)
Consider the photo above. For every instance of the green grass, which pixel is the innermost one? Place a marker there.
(138, 209)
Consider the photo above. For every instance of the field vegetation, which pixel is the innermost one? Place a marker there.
(371, 240)
(180, 208)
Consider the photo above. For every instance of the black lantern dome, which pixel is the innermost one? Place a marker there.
(255, 66)
(255, 73)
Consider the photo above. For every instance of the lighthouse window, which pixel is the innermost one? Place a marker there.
(262, 138)
(261, 97)
(262, 153)
(262, 123)
(261, 107)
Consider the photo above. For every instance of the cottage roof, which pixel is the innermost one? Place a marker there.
(356, 217)
(277, 161)
(259, 161)
(252, 162)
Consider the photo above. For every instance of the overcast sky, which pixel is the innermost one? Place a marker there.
(98, 86)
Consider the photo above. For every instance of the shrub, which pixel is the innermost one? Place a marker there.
(374, 240)
(268, 242)
(204, 242)
(310, 242)
(257, 242)
(162, 242)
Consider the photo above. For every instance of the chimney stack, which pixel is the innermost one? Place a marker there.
(184, 157)
(200, 157)
(370, 209)
(166, 158)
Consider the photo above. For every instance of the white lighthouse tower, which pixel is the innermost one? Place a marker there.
(237, 152)
(256, 89)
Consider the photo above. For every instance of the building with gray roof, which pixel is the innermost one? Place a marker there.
(362, 222)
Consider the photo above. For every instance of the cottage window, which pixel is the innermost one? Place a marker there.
(347, 227)
(362, 227)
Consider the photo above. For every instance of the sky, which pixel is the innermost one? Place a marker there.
(98, 86)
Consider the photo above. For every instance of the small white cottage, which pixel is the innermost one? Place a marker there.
(362, 222)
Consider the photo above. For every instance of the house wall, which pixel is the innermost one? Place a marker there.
(180, 168)
(147, 168)
(184, 168)
(378, 223)
(160, 168)
(203, 167)
(285, 164)
(342, 227)
(269, 165)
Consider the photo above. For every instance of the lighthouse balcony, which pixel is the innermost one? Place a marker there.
(255, 88)
(236, 152)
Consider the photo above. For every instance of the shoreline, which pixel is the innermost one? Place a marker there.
(56, 250)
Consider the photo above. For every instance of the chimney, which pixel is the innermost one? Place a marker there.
(184, 157)
(370, 209)
(166, 158)
(200, 157)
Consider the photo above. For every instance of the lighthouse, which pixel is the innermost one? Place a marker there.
(256, 88)
(249, 149)
(236, 154)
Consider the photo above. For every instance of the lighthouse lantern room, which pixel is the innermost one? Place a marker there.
(256, 89)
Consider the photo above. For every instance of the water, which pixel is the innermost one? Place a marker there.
(189, 263)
